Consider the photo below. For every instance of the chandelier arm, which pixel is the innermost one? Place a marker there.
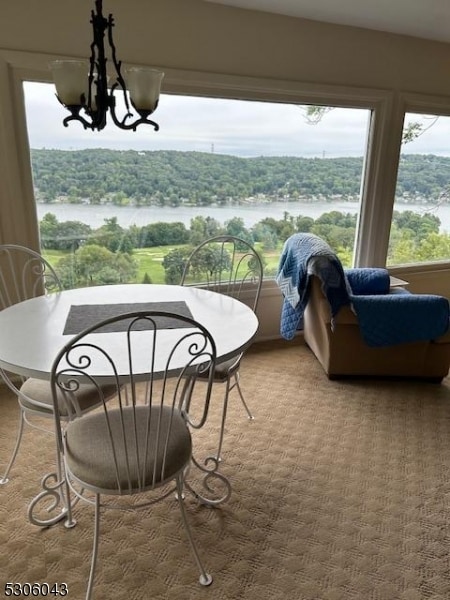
(117, 65)
(119, 122)
(76, 117)
(131, 126)
(134, 125)
(143, 119)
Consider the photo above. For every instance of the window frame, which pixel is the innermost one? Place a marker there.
(380, 167)
(425, 104)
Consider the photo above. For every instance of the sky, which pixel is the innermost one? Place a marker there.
(240, 128)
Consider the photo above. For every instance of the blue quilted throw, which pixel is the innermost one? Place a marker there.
(303, 255)
(368, 280)
(401, 318)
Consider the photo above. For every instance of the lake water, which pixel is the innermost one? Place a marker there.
(251, 214)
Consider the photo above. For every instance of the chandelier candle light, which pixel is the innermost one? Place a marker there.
(84, 86)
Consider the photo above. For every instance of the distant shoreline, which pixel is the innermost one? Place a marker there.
(95, 215)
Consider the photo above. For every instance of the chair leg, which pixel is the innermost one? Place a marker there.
(224, 418)
(95, 548)
(205, 578)
(229, 387)
(5, 479)
(237, 384)
(63, 476)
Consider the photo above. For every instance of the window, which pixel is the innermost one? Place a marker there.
(260, 170)
(420, 230)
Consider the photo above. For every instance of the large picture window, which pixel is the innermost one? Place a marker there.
(118, 206)
(420, 230)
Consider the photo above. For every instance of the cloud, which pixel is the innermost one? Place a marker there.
(236, 127)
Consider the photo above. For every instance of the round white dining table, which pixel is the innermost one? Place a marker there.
(33, 332)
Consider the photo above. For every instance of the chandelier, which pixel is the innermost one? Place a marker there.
(82, 86)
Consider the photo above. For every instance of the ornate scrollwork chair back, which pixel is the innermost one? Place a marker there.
(24, 274)
(226, 264)
(139, 443)
(229, 265)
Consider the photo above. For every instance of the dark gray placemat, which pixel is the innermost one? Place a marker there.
(82, 316)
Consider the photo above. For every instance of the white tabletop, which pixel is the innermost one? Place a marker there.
(31, 332)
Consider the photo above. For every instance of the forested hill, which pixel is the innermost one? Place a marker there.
(172, 177)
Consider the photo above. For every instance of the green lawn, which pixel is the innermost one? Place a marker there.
(53, 256)
(150, 261)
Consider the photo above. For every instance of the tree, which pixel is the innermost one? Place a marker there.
(411, 130)
(236, 227)
(435, 246)
(95, 265)
(265, 235)
(203, 228)
(72, 234)
(65, 235)
(205, 265)
(173, 263)
(304, 224)
(49, 226)
(420, 225)
(163, 234)
(314, 114)
(113, 236)
(208, 262)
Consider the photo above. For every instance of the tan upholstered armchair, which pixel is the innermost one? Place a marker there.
(354, 322)
(342, 352)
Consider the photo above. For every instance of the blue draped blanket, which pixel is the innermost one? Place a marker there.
(303, 255)
(368, 280)
(385, 318)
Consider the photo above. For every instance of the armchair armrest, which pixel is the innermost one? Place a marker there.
(391, 319)
(345, 316)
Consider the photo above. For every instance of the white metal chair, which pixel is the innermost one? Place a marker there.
(140, 444)
(24, 274)
(229, 265)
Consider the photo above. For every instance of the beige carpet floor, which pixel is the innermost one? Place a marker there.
(341, 491)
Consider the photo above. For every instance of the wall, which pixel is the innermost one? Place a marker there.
(200, 36)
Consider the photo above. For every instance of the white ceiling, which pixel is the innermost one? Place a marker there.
(429, 19)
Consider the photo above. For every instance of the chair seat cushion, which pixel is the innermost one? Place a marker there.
(128, 466)
(223, 370)
(36, 395)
